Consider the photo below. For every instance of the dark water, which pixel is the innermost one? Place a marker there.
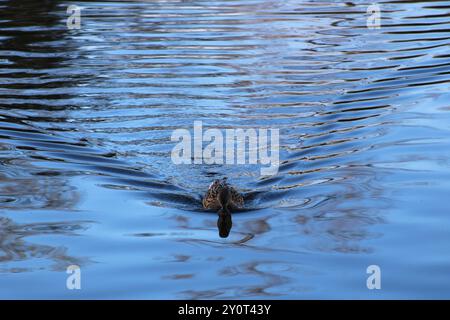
(86, 178)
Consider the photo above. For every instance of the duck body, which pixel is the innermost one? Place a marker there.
(223, 197)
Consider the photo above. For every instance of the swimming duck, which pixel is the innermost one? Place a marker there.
(222, 197)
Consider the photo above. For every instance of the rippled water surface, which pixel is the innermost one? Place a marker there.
(86, 176)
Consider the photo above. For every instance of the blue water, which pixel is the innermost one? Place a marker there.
(86, 176)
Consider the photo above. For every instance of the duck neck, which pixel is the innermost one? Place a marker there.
(224, 198)
(224, 211)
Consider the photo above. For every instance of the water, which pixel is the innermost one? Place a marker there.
(86, 178)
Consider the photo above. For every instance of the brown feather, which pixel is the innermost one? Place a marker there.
(210, 200)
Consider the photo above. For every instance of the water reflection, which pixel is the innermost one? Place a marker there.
(15, 248)
(31, 180)
(224, 224)
(269, 274)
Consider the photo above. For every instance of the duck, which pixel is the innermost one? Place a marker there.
(223, 198)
